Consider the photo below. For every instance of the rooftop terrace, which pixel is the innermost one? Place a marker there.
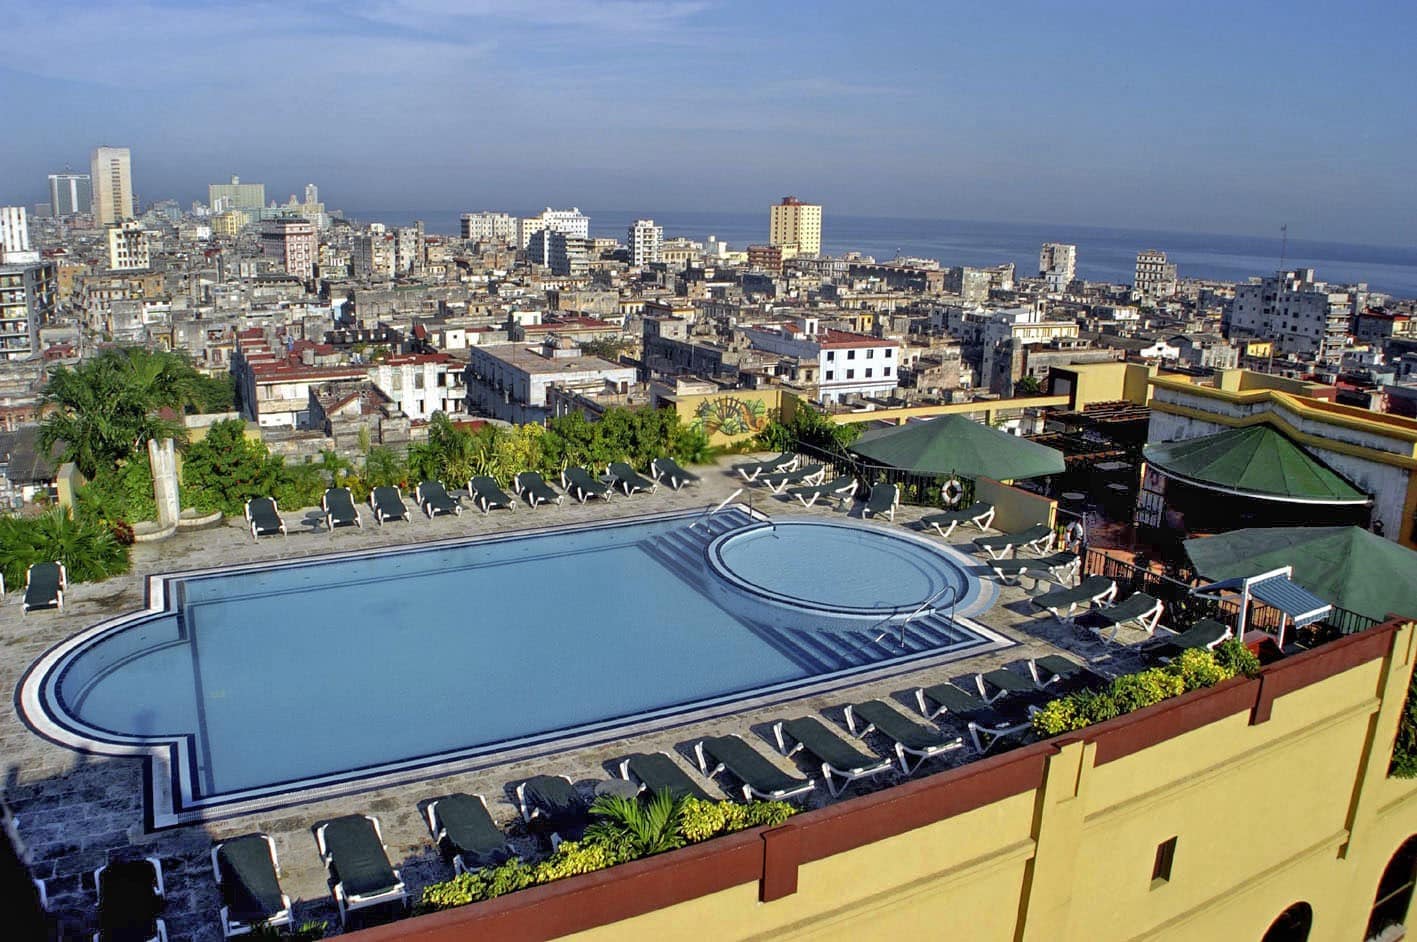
(78, 812)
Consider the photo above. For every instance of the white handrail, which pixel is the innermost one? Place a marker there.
(715, 509)
(915, 614)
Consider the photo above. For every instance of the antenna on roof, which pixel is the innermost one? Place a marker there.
(1283, 244)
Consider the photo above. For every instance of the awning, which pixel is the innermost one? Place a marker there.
(1277, 591)
(954, 444)
(1258, 462)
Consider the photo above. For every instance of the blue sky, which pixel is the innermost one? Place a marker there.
(1211, 117)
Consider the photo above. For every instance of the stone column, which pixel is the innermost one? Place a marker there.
(163, 459)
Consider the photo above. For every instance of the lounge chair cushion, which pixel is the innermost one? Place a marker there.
(895, 726)
(827, 746)
(750, 766)
(249, 885)
(658, 772)
(43, 585)
(358, 856)
(471, 832)
(128, 900)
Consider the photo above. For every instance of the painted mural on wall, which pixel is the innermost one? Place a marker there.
(730, 416)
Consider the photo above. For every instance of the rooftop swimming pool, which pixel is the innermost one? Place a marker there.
(250, 685)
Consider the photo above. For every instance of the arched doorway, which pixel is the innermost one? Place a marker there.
(1292, 925)
(1394, 890)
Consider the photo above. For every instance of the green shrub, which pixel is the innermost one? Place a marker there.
(86, 547)
(120, 494)
(619, 836)
(1134, 691)
(225, 469)
(1235, 658)
(1192, 670)
(1404, 747)
(1197, 668)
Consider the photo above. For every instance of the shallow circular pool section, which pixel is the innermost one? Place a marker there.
(826, 574)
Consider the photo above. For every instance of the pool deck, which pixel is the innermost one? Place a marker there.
(77, 811)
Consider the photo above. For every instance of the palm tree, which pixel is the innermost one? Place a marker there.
(639, 828)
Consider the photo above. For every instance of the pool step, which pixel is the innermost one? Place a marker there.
(681, 551)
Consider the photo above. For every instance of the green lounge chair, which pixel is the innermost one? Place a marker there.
(534, 489)
(837, 757)
(1206, 634)
(803, 474)
(1062, 603)
(839, 489)
(667, 471)
(338, 505)
(656, 771)
(582, 485)
(130, 897)
(987, 725)
(354, 853)
(247, 872)
(554, 802)
(1002, 682)
(909, 737)
(387, 504)
(1038, 538)
(758, 776)
(263, 517)
(488, 496)
(750, 470)
(462, 827)
(1060, 567)
(629, 480)
(979, 513)
(1138, 610)
(44, 587)
(1059, 675)
(434, 498)
(883, 499)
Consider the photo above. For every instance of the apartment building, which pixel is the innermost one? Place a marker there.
(488, 227)
(644, 239)
(847, 364)
(111, 175)
(796, 224)
(571, 222)
(512, 381)
(1058, 265)
(1155, 277)
(128, 247)
(1302, 315)
(294, 243)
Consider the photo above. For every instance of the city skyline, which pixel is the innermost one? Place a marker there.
(1066, 121)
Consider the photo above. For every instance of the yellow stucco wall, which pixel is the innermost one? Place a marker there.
(1296, 808)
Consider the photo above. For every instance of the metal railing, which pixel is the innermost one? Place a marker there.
(715, 508)
(1183, 608)
(927, 604)
(921, 490)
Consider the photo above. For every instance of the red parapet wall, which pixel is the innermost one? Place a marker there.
(771, 856)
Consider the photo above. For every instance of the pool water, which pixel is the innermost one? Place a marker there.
(271, 679)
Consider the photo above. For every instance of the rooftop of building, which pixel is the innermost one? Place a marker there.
(81, 811)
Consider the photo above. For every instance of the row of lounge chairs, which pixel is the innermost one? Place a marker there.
(432, 497)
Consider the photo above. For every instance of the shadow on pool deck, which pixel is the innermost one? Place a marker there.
(78, 811)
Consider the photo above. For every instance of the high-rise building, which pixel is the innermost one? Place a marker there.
(489, 227)
(28, 295)
(1058, 264)
(1303, 316)
(111, 172)
(1154, 278)
(568, 221)
(563, 254)
(15, 237)
(70, 193)
(236, 195)
(373, 254)
(644, 239)
(128, 247)
(312, 193)
(795, 223)
(293, 242)
(229, 224)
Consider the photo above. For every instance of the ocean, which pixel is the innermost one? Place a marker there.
(1103, 254)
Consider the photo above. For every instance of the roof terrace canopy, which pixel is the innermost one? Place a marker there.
(1257, 461)
(954, 444)
(1348, 566)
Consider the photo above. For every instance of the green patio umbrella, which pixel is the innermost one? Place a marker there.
(954, 444)
(1258, 462)
(1348, 566)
